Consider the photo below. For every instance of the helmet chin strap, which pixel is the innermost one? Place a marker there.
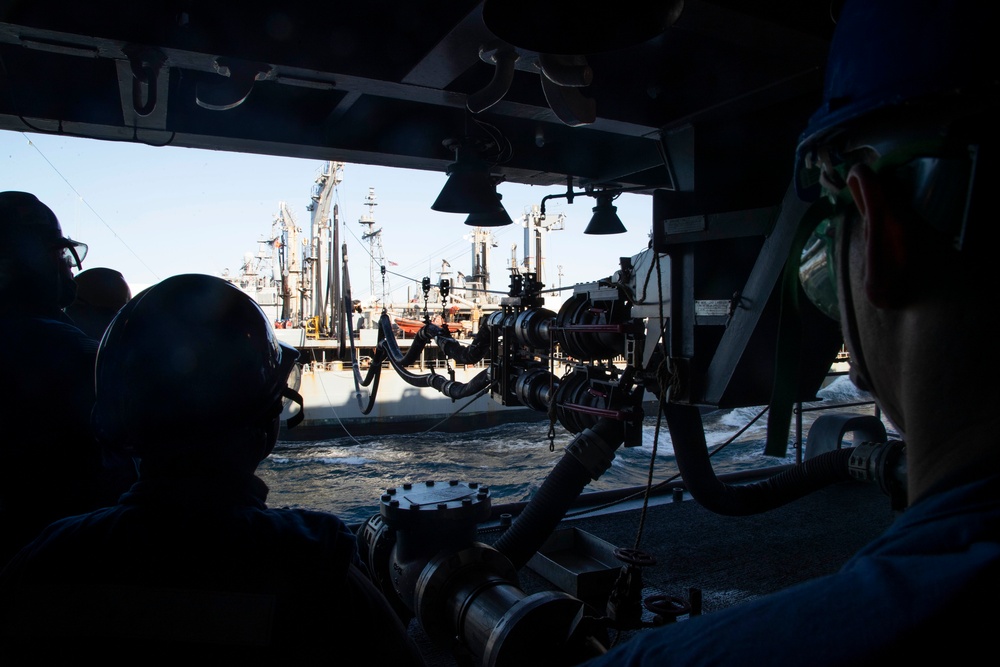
(848, 317)
(277, 407)
(294, 396)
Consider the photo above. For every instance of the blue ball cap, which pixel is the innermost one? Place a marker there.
(24, 210)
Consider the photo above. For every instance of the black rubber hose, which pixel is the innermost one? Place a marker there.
(560, 489)
(387, 343)
(389, 350)
(463, 354)
(691, 451)
(442, 384)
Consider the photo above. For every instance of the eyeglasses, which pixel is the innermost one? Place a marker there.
(72, 252)
(939, 189)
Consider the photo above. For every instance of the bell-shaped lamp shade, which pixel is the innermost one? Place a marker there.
(496, 218)
(469, 188)
(605, 220)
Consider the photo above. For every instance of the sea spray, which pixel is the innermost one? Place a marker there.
(347, 476)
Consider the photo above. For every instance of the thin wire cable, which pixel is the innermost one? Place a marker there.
(87, 204)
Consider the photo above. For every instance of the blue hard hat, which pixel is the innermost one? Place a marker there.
(23, 215)
(896, 55)
(23, 210)
(188, 357)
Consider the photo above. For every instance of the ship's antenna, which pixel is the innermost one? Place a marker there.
(374, 238)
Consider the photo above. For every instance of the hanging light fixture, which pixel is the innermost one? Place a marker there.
(233, 85)
(497, 218)
(470, 187)
(605, 220)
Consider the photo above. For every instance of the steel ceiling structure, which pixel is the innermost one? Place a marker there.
(712, 104)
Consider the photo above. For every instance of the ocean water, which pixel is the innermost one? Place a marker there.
(347, 475)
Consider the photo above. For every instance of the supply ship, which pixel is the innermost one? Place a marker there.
(300, 276)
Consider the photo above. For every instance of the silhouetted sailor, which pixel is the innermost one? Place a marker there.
(191, 379)
(52, 466)
(100, 293)
(899, 162)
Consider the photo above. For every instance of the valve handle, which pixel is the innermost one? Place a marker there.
(666, 605)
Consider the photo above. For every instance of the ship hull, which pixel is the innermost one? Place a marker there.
(332, 407)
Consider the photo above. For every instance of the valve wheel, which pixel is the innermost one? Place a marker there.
(666, 605)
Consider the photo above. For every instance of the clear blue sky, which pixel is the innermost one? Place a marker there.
(156, 212)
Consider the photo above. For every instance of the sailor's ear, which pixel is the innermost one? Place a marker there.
(889, 256)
